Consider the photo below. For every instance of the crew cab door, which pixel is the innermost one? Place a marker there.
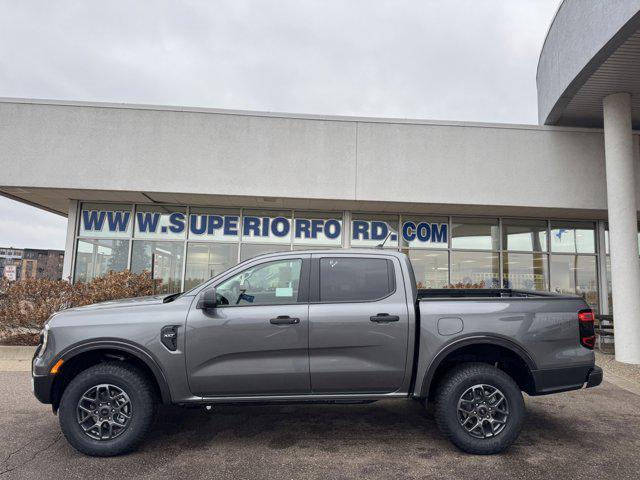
(255, 341)
(358, 324)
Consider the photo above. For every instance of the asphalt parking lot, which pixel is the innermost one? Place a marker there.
(586, 434)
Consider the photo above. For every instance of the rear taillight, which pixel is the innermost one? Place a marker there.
(587, 333)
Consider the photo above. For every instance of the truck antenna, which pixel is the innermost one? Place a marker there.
(384, 241)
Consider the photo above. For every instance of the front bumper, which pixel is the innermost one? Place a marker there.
(42, 387)
(41, 384)
(558, 380)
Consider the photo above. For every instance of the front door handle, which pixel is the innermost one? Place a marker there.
(384, 318)
(284, 320)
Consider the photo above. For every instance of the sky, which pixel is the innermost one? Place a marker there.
(463, 60)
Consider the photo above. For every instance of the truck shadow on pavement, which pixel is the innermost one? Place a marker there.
(595, 433)
(327, 428)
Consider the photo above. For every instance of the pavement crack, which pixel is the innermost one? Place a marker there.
(49, 445)
(17, 450)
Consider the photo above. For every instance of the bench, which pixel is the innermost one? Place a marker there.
(604, 331)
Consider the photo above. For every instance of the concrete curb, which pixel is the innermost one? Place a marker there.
(9, 352)
(621, 382)
(15, 359)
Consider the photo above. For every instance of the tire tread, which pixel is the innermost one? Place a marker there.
(444, 395)
(143, 389)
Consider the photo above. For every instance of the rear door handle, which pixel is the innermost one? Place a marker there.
(284, 320)
(384, 318)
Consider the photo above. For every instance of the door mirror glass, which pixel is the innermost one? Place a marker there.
(207, 299)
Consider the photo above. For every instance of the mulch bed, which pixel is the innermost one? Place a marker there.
(21, 339)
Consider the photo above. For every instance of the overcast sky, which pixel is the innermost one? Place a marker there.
(445, 60)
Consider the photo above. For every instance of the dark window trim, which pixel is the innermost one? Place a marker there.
(314, 297)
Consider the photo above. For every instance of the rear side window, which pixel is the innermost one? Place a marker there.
(355, 279)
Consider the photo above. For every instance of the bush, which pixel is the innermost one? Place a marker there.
(26, 304)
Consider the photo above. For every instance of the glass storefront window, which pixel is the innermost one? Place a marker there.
(370, 230)
(160, 222)
(573, 237)
(475, 270)
(248, 250)
(95, 258)
(424, 232)
(266, 226)
(215, 224)
(609, 287)
(162, 259)
(317, 228)
(105, 220)
(524, 235)
(475, 234)
(431, 268)
(575, 275)
(525, 271)
(206, 260)
(465, 253)
(310, 247)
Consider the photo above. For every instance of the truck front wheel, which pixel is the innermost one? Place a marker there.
(479, 408)
(107, 409)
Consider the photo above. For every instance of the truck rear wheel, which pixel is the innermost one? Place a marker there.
(107, 409)
(479, 408)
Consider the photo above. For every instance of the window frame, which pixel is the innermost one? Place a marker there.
(314, 289)
(303, 288)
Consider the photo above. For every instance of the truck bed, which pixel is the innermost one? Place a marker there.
(429, 293)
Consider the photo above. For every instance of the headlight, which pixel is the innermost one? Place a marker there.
(44, 337)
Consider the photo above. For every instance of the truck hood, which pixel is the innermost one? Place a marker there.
(126, 302)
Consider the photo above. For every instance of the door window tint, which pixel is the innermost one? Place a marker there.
(355, 279)
(270, 283)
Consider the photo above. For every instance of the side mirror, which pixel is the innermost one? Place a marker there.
(207, 299)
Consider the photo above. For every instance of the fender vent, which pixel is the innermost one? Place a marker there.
(169, 337)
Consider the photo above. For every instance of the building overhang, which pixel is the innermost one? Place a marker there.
(57, 201)
(592, 50)
(53, 152)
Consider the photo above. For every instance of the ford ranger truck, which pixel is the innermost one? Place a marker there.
(336, 326)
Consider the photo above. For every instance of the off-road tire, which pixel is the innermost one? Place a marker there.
(140, 392)
(452, 387)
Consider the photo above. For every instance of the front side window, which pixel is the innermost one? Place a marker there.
(273, 283)
(355, 279)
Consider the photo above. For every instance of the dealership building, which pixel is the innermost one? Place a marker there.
(188, 192)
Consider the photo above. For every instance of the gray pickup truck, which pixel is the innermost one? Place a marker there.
(338, 326)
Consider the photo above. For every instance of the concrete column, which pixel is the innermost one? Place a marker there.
(69, 247)
(623, 226)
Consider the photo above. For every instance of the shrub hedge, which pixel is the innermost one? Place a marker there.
(27, 303)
